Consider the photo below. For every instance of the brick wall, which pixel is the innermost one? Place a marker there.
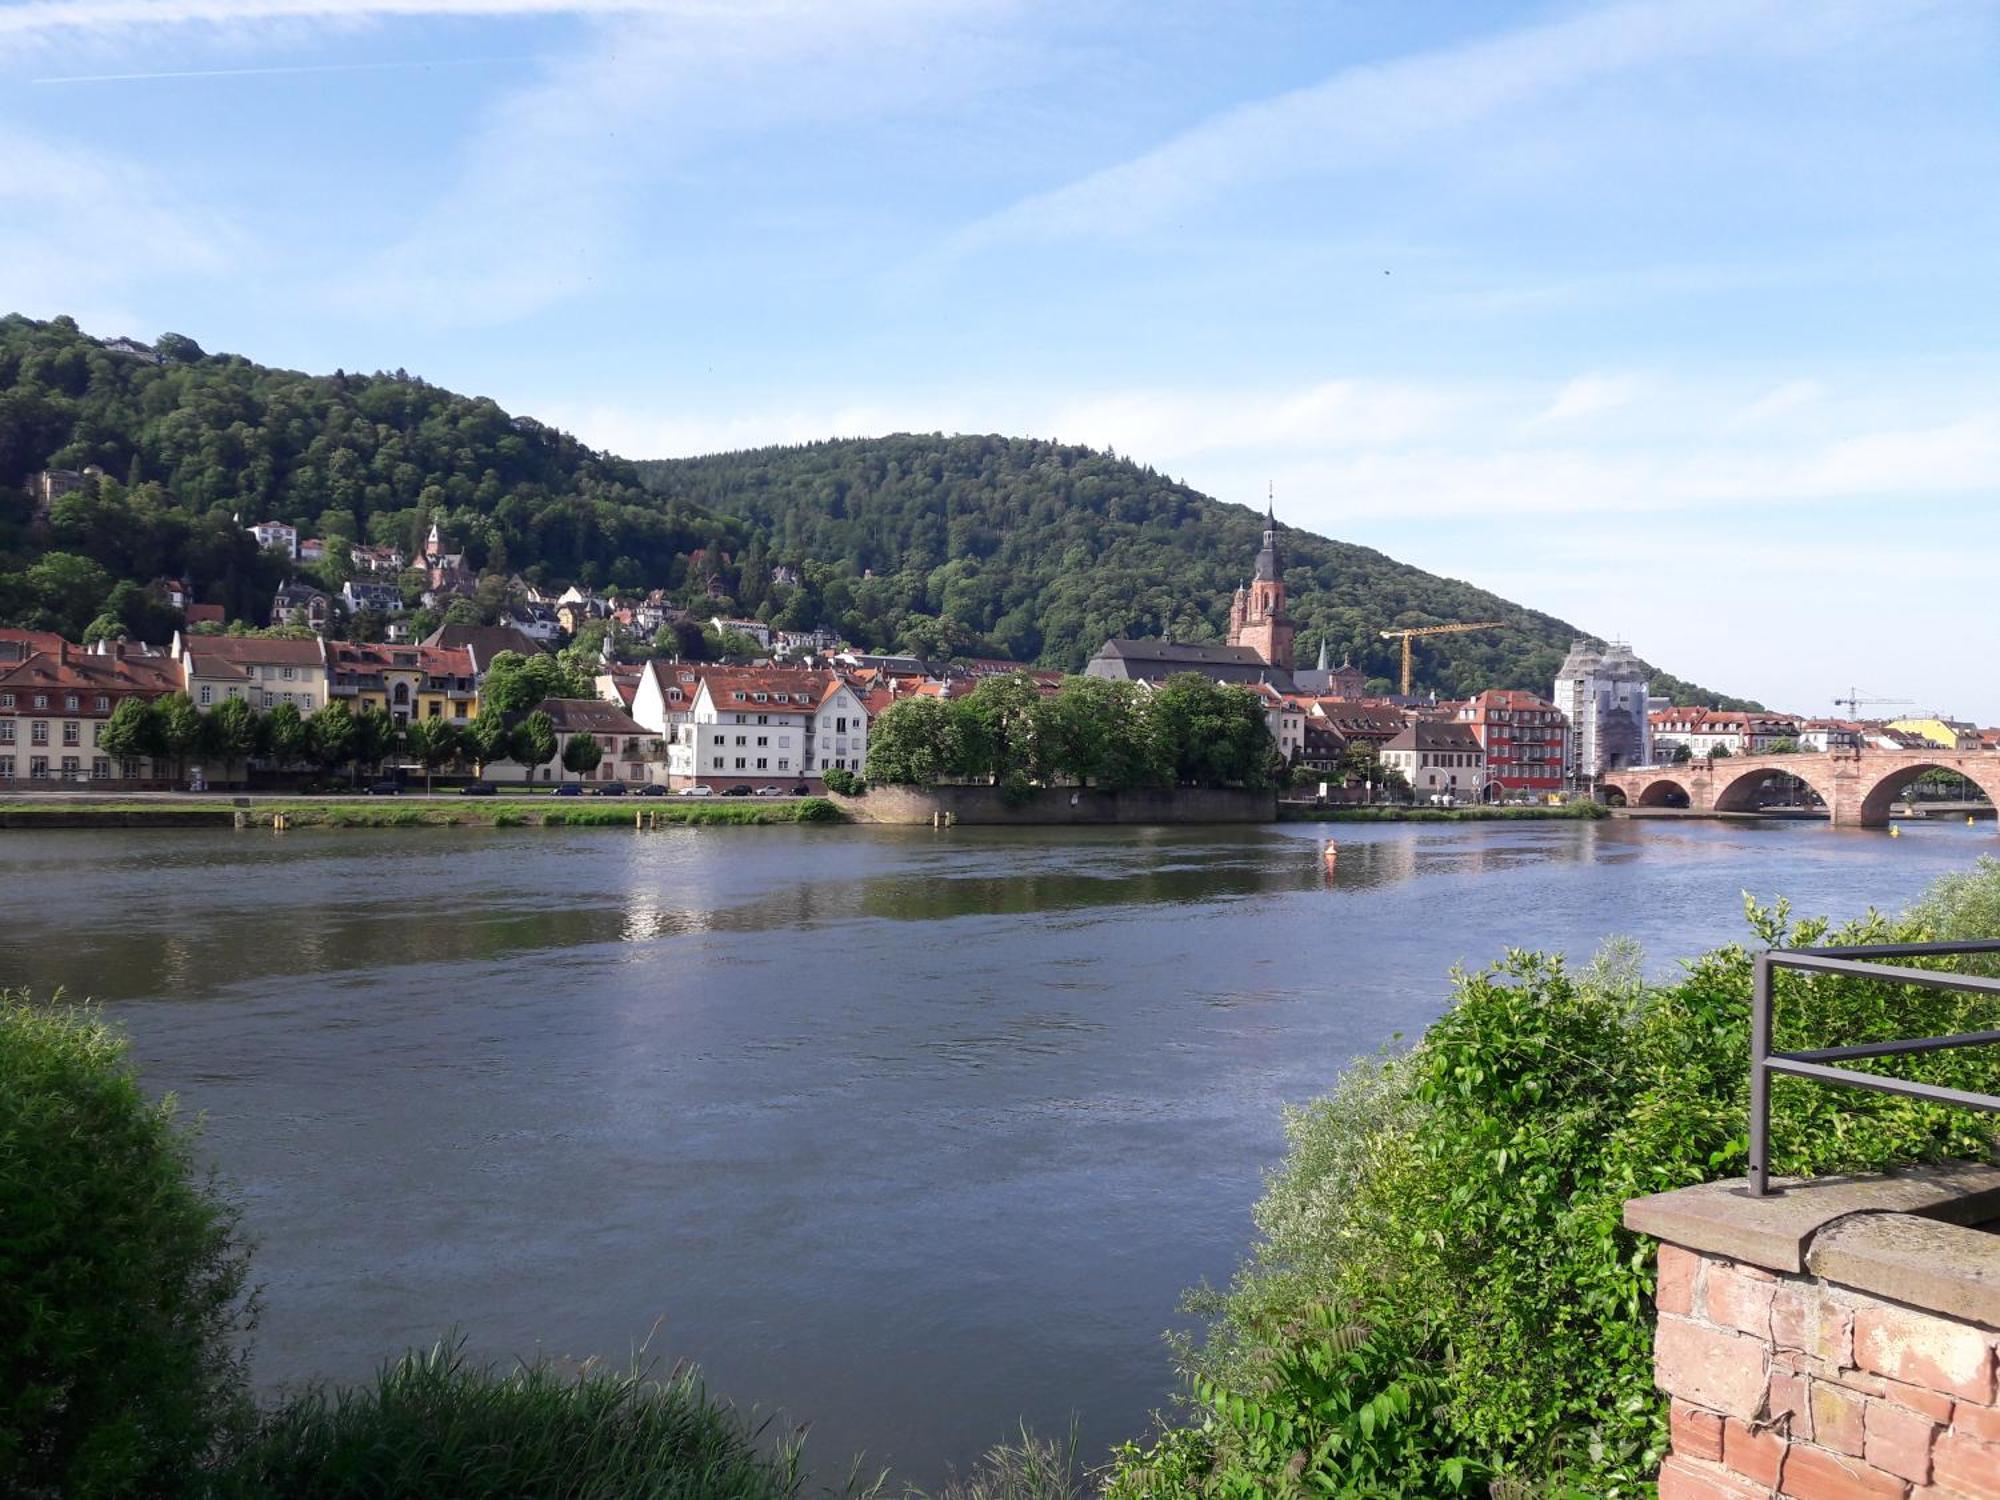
(1789, 1384)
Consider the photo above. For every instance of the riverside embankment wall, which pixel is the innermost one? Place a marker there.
(1058, 806)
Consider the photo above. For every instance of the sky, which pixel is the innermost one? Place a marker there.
(1679, 319)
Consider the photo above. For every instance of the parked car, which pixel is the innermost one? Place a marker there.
(737, 791)
(611, 789)
(651, 789)
(477, 789)
(799, 790)
(569, 789)
(697, 791)
(385, 789)
(769, 791)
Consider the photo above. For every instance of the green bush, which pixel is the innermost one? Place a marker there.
(816, 810)
(433, 1425)
(844, 783)
(121, 1276)
(1464, 1199)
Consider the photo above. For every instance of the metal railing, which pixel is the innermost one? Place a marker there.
(1859, 962)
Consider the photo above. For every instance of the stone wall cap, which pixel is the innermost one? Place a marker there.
(1942, 1268)
(1722, 1218)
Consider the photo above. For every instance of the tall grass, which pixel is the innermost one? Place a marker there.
(435, 1424)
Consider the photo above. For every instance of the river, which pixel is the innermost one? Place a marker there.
(915, 1135)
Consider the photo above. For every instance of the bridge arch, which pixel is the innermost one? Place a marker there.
(1893, 783)
(1738, 793)
(1667, 791)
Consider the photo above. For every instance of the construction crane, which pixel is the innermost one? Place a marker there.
(1414, 631)
(1855, 702)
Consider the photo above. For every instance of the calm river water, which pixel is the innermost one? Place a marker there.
(912, 1134)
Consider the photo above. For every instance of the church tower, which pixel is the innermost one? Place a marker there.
(1257, 616)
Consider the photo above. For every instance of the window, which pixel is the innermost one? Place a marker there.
(41, 700)
(718, 763)
(762, 763)
(38, 768)
(784, 763)
(6, 700)
(100, 768)
(762, 718)
(740, 739)
(739, 762)
(38, 732)
(763, 740)
(72, 735)
(207, 695)
(288, 674)
(6, 768)
(72, 702)
(129, 769)
(784, 742)
(6, 731)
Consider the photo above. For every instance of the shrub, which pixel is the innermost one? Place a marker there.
(1031, 1468)
(843, 783)
(121, 1276)
(433, 1424)
(816, 810)
(1464, 1199)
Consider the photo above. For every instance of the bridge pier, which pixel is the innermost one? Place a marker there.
(1857, 788)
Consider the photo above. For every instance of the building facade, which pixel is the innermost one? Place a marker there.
(405, 682)
(1438, 760)
(1523, 738)
(53, 708)
(1601, 690)
(1257, 617)
(263, 672)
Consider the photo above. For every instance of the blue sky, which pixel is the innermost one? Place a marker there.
(1677, 318)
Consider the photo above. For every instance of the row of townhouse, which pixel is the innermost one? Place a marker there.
(54, 704)
(1710, 731)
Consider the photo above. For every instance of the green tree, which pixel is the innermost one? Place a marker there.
(1211, 734)
(582, 755)
(122, 1282)
(132, 732)
(431, 743)
(1003, 715)
(1093, 730)
(487, 738)
(914, 741)
(515, 683)
(180, 728)
(282, 734)
(229, 732)
(330, 735)
(1786, 746)
(533, 742)
(374, 738)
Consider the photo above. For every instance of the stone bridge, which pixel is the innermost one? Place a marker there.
(1856, 786)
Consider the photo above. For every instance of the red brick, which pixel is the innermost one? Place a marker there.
(1786, 1402)
(1795, 1310)
(1839, 1418)
(1683, 1479)
(1814, 1474)
(1965, 1466)
(1936, 1406)
(1736, 1300)
(1752, 1452)
(1899, 1440)
(1673, 1290)
(1696, 1433)
(1982, 1422)
(1709, 1367)
(1922, 1350)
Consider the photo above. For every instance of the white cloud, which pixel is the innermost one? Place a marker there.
(1779, 401)
(1588, 396)
(41, 18)
(1386, 111)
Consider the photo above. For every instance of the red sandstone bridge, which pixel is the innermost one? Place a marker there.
(1857, 787)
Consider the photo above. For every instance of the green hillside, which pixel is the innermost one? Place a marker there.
(974, 545)
(1044, 550)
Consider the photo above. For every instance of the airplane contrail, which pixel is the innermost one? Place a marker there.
(265, 72)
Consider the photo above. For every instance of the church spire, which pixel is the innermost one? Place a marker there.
(1322, 654)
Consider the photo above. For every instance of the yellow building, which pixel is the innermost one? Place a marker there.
(1947, 734)
(404, 682)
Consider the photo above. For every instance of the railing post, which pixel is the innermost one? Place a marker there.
(1760, 1076)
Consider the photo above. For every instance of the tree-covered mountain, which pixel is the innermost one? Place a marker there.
(1045, 550)
(981, 545)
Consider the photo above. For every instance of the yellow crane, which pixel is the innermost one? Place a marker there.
(1414, 631)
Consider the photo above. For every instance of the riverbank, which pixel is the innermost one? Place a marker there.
(1301, 812)
(428, 812)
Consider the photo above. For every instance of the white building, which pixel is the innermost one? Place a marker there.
(757, 630)
(1439, 759)
(1602, 691)
(756, 726)
(277, 534)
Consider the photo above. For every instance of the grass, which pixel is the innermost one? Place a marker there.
(434, 1424)
(385, 812)
(1296, 813)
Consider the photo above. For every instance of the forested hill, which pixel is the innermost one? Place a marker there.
(1046, 550)
(970, 545)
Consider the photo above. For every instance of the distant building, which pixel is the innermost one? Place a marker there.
(757, 630)
(312, 549)
(261, 670)
(376, 559)
(50, 485)
(1830, 734)
(1522, 737)
(53, 706)
(276, 534)
(629, 750)
(403, 681)
(1946, 734)
(1601, 690)
(1257, 617)
(1438, 759)
(371, 593)
(1323, 681)
(1152, 660)
(298, 603)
